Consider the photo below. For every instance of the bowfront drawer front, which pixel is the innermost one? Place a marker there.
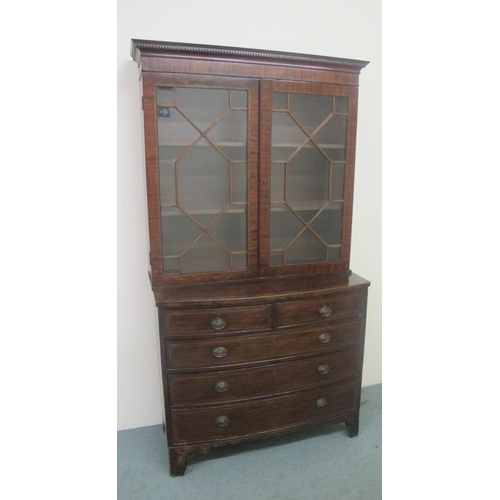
(306, 311)
(258, 417)
(263, 347)
(234, 319)
(231, 385)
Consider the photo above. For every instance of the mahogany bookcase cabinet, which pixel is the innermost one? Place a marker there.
(250, 173)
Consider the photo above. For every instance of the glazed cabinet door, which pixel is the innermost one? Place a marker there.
(307, 168)
(201, 163)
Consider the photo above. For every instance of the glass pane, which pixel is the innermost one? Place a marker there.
(239, 99)
(275, 259)
(204, 219)
(337, 181)
(286, 137)
(234, 152)
(232, 128)
(167, 184)
(238, 182)
(334, 253)
(306, 249)
(311, 174)
(285, 131)
(203, 180)
(284, 226)
(282, 153)
(331, 137)
(171, 265)
(307, 215)
(239, 260)
(333, 132)
(341, 104)
(310, 110)
(308, 180)
(279, 101)
(178, 231)
(175, 135)
(170, 153)
(277, 182)
(328, 224)
(230, 135)
(202, 106)
(333, 152)
(164, 96)
(205, 255)
(230, 228)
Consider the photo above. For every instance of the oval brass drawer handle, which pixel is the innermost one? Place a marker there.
(323, 369)
(325, 311)
(221, 386)
(219, 352)
(222, 421)
(218, 323)
(321, 402)
(324, 338)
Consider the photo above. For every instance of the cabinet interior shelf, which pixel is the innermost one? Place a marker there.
(244, 144)
(308, 145)
(279, 206)
(170, 211)
(203, 145)
(173, 211)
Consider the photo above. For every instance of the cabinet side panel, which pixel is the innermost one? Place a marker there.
(349, 175)
(152, 179)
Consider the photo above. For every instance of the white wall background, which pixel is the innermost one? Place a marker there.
(343, 28)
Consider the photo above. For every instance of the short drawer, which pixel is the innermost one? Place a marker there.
(218, 320)
(233, 385)
(258, 417)
(306, 311)
(185, 354)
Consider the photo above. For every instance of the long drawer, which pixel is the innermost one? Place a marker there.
(258, 417)
(237, 384)
(313, 310)
(254, 348)
(218, 320)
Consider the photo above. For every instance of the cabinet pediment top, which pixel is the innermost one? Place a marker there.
(141, 48)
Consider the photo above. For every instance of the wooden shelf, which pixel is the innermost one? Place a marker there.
(309, 145)
(305, 206)
(168, 211)
(189, 143)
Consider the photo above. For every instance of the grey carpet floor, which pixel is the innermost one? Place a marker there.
(320, 463)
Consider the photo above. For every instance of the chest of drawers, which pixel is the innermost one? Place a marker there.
(244, 366)
(249, 159)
